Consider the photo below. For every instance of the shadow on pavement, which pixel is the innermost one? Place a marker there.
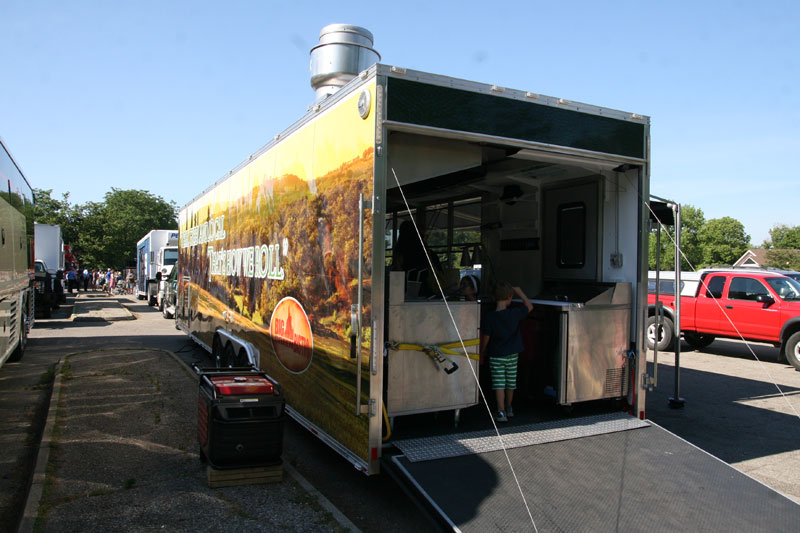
(722, 416)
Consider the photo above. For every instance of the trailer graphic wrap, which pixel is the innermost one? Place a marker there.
(270, 256)
(291, 335)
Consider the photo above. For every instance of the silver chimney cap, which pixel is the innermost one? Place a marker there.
(343, 51)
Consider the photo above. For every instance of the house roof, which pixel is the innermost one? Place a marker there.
(754, 257)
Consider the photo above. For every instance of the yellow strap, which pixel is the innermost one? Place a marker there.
(445, 348)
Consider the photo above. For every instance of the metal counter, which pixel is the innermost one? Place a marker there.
(592, 343)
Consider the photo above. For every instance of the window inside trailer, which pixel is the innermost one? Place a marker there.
(571, 235)
(451, 230)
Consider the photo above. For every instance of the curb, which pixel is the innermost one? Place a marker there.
(104, 318)
(324, 502)
(43, 457)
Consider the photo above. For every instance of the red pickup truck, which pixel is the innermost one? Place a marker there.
(757, 306)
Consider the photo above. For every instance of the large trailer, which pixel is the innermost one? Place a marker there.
(289, 263)
(156, 255)
(16, 258)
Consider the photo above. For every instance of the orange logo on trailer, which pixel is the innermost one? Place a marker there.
(291, 335)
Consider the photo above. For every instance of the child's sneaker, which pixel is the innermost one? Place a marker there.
(510, 412)
(500, 417)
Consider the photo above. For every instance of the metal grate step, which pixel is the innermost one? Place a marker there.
(453, 445)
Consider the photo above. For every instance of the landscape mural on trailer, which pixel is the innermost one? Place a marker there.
(272, 254)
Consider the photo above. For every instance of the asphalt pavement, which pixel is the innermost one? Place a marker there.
(119, 451)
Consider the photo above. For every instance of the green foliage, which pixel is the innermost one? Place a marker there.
(49, 210)
(787, 259)
(104, 234)
(692, 221)
(723, 241)
(783, 237)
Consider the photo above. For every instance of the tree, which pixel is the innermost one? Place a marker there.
(723, 241)
(783, 237)
(784, 258)
(111, 229)
(692, 221)
(49, 210)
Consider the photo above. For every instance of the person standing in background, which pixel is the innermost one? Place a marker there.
(72, 280)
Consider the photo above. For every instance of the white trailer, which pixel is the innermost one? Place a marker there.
(289, 263)
(156, 256)
(49, 247)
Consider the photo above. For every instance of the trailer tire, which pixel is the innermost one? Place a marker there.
(216, 351)
(241, 358)
(792, 350)
(666, 333)
(698, 341)
(229, 357)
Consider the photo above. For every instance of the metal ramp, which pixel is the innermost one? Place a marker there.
(453, 445)
(643, 480)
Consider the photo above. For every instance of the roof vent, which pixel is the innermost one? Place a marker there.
(343, 51)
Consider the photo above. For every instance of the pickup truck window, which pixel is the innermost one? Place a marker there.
(667, 286)
(715, 286)
(787, 288)
(746, 289)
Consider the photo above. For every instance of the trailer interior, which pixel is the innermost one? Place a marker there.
(547, 222)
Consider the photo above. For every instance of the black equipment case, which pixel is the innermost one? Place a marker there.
(240, 416)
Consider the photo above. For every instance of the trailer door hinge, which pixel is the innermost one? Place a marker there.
(647, 382)
(369, 409)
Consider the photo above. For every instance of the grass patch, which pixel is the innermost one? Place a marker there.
(46, 379)
(66, 370)
(129, 483)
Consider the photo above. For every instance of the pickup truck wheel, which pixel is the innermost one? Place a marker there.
(792, 350)
(665, 334)
(698, 341)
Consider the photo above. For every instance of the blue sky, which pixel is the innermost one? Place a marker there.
(168, 96)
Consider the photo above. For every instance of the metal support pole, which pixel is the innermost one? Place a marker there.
(676, 402)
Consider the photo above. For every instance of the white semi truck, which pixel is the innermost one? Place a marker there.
(289, 263)
(156, 255)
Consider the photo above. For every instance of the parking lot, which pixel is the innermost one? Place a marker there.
(741, 406)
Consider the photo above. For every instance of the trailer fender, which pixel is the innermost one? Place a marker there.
(226, 338)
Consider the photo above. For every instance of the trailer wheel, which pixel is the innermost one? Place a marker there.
(229, 357)
(792, 350)
(216, 351)
(241, 359)
(664, 335)
(698, 341)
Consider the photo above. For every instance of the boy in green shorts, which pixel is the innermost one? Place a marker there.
(501, 342)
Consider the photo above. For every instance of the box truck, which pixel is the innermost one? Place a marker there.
(290, 263)
(49, 267)
(156, 255)
(16, 258)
